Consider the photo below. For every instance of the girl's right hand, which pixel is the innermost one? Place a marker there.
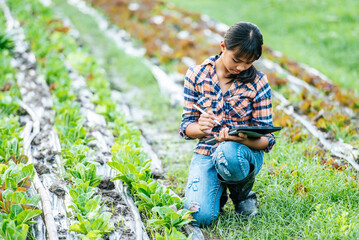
(206, 122)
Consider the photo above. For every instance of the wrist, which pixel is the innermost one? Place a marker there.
(193, 130)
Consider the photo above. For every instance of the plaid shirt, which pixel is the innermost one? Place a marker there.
(244, 104)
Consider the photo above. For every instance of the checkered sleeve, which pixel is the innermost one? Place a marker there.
(262, 109)
(189, 114)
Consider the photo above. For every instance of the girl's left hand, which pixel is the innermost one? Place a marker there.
(224, 136)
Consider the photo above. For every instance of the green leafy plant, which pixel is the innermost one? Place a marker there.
(17, 177)
(69, 124)
(172, 234)
(10, 144)
(8, 106)
(9, 230)
(6, 42)
(9, 198)
(130, 164)
(17, 211)
(81, 173)
(125, 134)
(153, 194)
(74, 155)
(84, 200)
(171, 218)
(94, 228)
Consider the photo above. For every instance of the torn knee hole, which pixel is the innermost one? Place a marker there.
(194, 207)
(225, 170)
(222, 159)
(193, 184)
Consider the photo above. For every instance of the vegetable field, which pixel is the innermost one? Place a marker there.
(90, 106)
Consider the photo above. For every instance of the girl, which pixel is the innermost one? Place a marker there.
(232, 91)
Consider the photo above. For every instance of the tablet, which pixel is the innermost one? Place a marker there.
(252, 132)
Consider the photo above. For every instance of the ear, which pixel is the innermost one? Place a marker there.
(223, 46)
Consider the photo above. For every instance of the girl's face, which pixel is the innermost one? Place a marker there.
(232, 63)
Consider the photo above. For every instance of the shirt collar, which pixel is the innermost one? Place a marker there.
(210, 61)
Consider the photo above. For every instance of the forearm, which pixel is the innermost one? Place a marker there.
(194, 131)
(255, 143)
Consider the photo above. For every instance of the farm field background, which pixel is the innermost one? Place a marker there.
(321, 34)
(305, 190)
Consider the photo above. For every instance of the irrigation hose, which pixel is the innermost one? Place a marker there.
(140, 233)
(45, 200)
(40, 189)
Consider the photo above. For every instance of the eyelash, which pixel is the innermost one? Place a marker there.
(240, 61)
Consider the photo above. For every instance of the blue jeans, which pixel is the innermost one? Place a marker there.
(203, 192)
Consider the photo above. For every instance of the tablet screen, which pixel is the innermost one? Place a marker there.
(252, 132)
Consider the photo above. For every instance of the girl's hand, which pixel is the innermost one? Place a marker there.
(224, 136)
(206, 122)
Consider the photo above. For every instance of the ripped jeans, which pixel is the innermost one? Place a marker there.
(203, 192)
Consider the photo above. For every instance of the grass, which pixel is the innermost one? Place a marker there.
(299, 197)
(321, 34)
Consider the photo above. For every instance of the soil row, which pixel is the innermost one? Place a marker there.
(43, 148)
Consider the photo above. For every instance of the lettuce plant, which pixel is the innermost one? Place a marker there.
(9, 230)
(81, 174)
(153, 194)
(130, 164)
(93, 228)
(172, 234)
(84, 199)
(170, 218)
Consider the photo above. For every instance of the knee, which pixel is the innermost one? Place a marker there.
(231, 161)
(202, 217)
(236, 150)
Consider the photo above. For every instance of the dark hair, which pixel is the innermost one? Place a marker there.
(246, 40)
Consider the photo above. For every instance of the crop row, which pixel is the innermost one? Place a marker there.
(169, 35)
(177, 37)
(80, 175)
(18, 203)
(50, 39)
(347, 98)
(329, 116)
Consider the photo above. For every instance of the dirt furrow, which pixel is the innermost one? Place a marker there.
(115, 197)
(40, 145)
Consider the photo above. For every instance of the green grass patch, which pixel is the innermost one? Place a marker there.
(321, 34)
(299, 199)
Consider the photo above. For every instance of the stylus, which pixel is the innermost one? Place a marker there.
(202, 111)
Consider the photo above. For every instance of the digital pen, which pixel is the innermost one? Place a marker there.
(202, 111)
